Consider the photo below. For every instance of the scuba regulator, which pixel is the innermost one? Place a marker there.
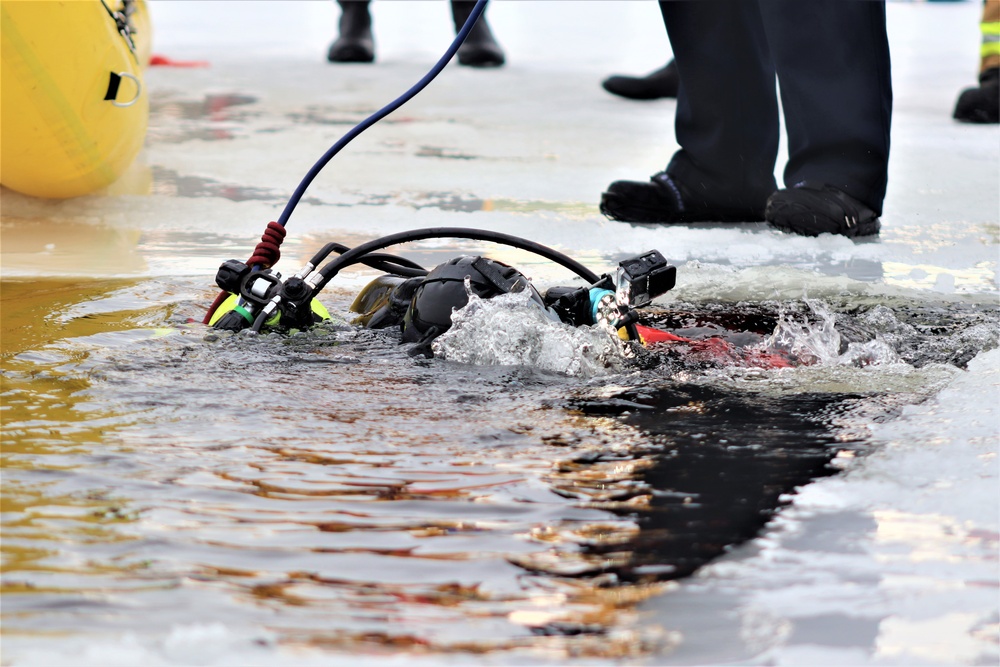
(420, 302)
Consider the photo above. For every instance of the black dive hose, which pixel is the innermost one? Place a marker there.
(400, 266)
(358, 253)
(364, 254)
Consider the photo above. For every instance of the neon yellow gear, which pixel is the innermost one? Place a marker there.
(232, 302)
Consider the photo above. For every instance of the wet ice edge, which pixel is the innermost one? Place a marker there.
(892, 562)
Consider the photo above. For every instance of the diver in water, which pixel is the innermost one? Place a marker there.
(420, 303)
(422, 306)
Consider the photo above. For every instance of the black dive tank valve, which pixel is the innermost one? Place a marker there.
(296, 300)
(612, 300)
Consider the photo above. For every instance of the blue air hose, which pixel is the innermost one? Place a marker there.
(274, 236)
(383, 112)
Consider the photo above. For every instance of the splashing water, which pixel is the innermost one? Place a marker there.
(820, 343)
(955, 341)
(511, 330)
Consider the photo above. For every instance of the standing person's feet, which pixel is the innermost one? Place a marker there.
(655, 85)
(665, 200)
(479, 49)
(355, 43)
(982, 104)
(812, 210)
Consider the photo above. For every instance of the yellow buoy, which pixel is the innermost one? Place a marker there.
(73, 107)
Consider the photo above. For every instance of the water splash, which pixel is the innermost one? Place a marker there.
(511, 330)
(816, 341)
(927, 340)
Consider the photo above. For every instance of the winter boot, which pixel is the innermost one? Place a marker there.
(982, 104)
(355, 43)
(479, 49)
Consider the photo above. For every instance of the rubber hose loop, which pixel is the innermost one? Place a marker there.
(268, 251)
(266, 254)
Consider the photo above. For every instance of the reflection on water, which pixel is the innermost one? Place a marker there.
(169, 182)
(334, 492)
(212, 118)
(33, 244)
(718, 466)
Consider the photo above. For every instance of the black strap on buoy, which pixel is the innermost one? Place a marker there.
(113, 84)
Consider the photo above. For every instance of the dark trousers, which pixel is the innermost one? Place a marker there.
(831, 58)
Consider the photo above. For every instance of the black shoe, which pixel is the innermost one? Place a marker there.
(811, 211)
(982, 104)
(664, 200)
(479, 49)
(655, 85)
(355, 43)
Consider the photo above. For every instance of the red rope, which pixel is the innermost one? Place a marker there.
(266, 254)
(268, 251)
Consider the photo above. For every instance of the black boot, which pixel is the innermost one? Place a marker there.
(661, 83)
(814, 209)
(982, 104)
(479, 49)
(667, 201)
(355, 43)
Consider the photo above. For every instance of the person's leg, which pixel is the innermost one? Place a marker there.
(832, 60)
(355, 43)
(726, 121)
(727, 112)
(479, 49)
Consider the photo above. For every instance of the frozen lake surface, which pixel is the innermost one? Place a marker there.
(173, 498)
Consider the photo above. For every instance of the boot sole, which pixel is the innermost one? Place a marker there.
(351, 53)
(802, 221)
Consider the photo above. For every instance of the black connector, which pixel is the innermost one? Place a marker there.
(571, 304)
(230, 275)
(232, 321)
(258, 287)
(296, 303)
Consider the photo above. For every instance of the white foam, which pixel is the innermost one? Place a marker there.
(511, 330)
(820, 343)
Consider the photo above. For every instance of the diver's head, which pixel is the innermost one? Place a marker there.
(443, 290)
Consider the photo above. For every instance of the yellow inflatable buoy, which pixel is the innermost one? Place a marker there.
(73, 107)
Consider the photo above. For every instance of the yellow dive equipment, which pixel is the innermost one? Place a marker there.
(73, 106)
(232, 304)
